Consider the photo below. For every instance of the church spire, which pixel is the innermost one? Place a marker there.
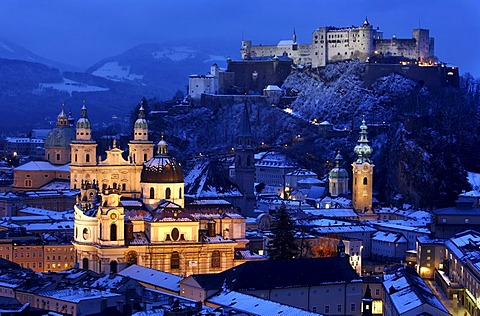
(140, 128)
(83, 125)
(245, 122)
(363, 149)
(294, 37)
(62, 118)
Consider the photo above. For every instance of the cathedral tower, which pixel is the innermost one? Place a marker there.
(245, 164)
(140, 148)
(338, 178)
(362, 173)
(83, 148)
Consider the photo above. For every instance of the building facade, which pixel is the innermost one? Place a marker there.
(331, 44)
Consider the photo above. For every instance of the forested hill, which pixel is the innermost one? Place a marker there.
(426, 143)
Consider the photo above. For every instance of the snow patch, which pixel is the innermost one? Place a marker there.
(71, 86)
(175, 53)
(6, 47)
(113, 71)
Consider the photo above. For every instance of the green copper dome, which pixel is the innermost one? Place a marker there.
(363, 149)
(83, 121)
(338, 172)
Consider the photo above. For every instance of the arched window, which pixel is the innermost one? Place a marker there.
(145, 157)
(85, 264)
(175, 260)
(248, 161)
(152, 193)
(48, 156)
(365, 181)
(86, 234)
(134, 158)
(28, 183)
(179, 193)
(131, 258)
(168, 193)
(58, 157)
(239, 161)
(76, 157)
(113, 266)
(114, 185)
(113, 232)
(87, 157)
(216, 259)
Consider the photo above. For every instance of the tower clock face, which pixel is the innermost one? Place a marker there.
(113, 216)
(365, 168)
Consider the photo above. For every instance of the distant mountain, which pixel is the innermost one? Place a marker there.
(162, 68)
(9, 50)
(33, 88)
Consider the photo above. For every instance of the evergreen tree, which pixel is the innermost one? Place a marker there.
(282, 245)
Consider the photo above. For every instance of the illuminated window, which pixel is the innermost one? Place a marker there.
(175, 260)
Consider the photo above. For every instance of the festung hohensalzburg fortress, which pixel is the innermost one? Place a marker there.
(332, 44)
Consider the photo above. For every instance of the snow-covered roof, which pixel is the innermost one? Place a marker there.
(253, 305)
(275, 159)
(50, 213)
(154, 277)
(42, 166)
(24, 140)
(302, 172)
(310, 181)
(401, 226)
(205, 180)
(408, 291)
(388, 237)
(272, 88)
(331, 212)
(285, 43)
(76, 295)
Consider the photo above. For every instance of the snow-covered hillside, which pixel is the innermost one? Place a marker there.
(337, 94)
(163, 69)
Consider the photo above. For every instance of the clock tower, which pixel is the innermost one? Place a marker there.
(362, 173)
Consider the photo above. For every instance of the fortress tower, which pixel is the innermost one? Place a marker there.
(362, 173)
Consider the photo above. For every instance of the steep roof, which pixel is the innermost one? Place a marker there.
(206, 180)
(271, 274)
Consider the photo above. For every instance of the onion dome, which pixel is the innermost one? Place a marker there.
(83, 121)
(363, 149)
(162, 168)
(141, 122)
(338, 172)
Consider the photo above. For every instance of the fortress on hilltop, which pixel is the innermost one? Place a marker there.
(332, 44)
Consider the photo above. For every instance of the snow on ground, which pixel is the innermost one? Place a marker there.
(215, 58)
(71, 86)
(113, 71)
(474, 180)
(175, 53)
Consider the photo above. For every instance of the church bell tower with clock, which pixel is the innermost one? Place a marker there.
(362, 173)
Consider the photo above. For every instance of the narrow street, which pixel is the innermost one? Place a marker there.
(460, 311)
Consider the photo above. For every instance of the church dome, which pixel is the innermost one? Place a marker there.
(83, 121)
(60, 137)
(338, 172)
(162, 168)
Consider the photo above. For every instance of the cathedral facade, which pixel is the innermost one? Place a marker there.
(133, 211)
(114, 171)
